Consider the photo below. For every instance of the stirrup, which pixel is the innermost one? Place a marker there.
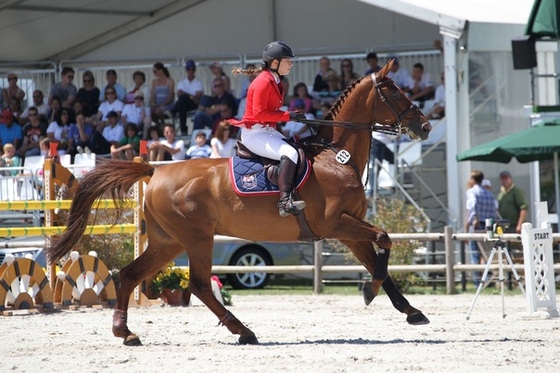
(287, 208)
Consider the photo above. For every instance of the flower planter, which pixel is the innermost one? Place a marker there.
(172, 297)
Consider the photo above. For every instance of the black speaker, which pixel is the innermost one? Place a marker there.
(524, 53)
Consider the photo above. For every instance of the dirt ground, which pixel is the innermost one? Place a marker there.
(321, 333)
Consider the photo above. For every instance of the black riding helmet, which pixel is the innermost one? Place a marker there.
(276, 51)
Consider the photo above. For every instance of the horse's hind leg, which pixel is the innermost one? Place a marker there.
(366, 254)
(200, 259)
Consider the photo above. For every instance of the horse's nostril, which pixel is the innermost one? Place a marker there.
(426, 127)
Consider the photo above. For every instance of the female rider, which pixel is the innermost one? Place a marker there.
(265, 96)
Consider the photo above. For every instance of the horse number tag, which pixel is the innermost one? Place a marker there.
(342, 157)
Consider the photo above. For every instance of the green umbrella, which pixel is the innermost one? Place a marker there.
(540, 142)
(544, 19)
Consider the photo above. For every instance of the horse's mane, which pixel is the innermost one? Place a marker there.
(340, 100)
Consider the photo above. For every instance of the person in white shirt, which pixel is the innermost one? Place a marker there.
(438, 110)
(113, 131)
(112, 104)
(137, 114)
(398, 74)
(223, 146)
(200, 149)
(299, 129)
(420, 86)
(189, 92)
(170, 148)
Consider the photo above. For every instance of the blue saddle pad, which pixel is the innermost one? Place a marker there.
(249, 178)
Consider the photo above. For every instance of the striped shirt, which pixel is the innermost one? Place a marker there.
(480, 204)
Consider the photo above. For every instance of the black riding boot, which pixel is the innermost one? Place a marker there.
(286, 175)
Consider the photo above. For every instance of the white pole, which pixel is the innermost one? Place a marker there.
(557, 190)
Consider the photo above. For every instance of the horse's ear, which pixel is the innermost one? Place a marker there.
(385, 70)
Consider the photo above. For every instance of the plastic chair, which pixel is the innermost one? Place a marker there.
(66, 160)
(83, 163)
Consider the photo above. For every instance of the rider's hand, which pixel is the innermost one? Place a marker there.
(296, 116)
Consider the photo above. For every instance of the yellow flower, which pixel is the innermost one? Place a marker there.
(171, 277)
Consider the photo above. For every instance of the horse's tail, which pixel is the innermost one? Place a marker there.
(112, 176)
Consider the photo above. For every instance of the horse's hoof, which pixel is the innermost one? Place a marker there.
(417, 319)
(248, 340)
(132, 340)
(368, 293)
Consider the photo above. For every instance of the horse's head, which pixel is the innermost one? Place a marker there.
(396, 109)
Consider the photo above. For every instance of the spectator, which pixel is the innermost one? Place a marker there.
(57, 131)
(39, 104)
(65, 90)
(420, 86)
(13, 90)
(54, 106)
(300, 92)
(45, 146)
(397, 74)
(79, 135)
(111, 104)
(10, 159)
(222, 144)
(113, 132)
(324, 109)
(320, 83)
(32, 134)
(189, 92)
(163, 93)
(128, 145)
(200, 149)
(89, 93)
(379, 149)
(480, 206)
(487, 184)
(137, 114)
(10, 132)
(155, 136)
(373, 63)
(210, 106)
(438, 110)
(249, 79)
(347, 74)
(111, 77)
(218, 72)
(293, 128)
(333, 88)
(15, 107)
(140, 85)
(225, 113)
(513, 204)
(170, 148)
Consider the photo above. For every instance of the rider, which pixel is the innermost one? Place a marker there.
(265, 96)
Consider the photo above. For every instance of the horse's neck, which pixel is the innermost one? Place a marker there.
(354, 141)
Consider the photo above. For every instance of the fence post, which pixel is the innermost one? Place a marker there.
(449, 260)
(318, 263)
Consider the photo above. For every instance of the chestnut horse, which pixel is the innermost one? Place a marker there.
(187, 203)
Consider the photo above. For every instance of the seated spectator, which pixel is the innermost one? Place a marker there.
(301, 93)
(137, 114)
(65, 90)
(397, 74)
(111, 77)
(32, 134)
(438, 110)
(333, 88)
(154, 135)
(373, 63)
(39, 104)
(189, 92)
(15, 107)
(218, 72)
(210, 106)
(113, 132)
(128, 146)
(347, 74)
(222, 144)
(10, 131)
(140, 85)
(163, 93)
(45, 146)
(79, 135)
(325, 108)
(12, 90)
(57, 131)
(89, 93)
(292, 128)
(10, 159)
(200, 149)
(170, 148)
(54, 106)
(225, 113)
(111, 104)
(320, 84)
(420, 86)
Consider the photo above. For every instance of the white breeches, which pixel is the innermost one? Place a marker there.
(267, 142)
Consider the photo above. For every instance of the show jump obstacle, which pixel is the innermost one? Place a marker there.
(83, 280)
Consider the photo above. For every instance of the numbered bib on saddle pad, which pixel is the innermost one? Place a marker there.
(251, 177)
